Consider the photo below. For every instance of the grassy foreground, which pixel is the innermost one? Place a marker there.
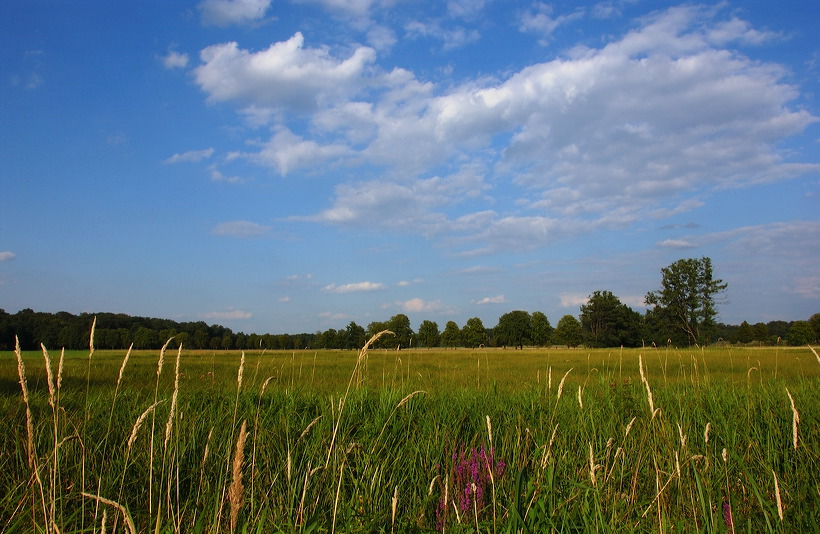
(717, 439)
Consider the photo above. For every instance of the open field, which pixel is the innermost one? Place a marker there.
(714, 439)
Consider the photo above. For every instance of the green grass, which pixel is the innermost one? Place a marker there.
(334, 438)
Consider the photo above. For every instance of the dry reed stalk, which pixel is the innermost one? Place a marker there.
(91, 337)
(21, 372)
(236, 492)
(241, 371)
(356, 375)
(815, 353)
(795, 419)
(490, 431)
(648, 389)
(338, 492)
(138, 424)
(307, 429)
(592, 467)
(561, 386)
(122, 367)
(777, 496)
(172, 413)
(548, 451)
(580, 398)
(629, 427)
(49, 376)
(393, 505)
(60, 370)
(129, 523)
(683, 437)
(706, 433)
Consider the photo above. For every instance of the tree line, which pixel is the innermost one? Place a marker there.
(682, 312)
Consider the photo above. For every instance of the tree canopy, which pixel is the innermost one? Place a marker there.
(514, 329)
(686, 300)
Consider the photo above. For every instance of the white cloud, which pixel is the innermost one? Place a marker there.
(286, 76)
(573, 300)
(284, 299)
(241, 229)
(175, 60)
(354, 287)
(353, 7)
(217, 176)
(287, 152)
(191, 156)
(231, 314)
(646, 126)
(451, 37)
(7, 256)
(418, 305)
(228, 12)
(807, 287)
(540, 20)
(491, 300)
(678, 243)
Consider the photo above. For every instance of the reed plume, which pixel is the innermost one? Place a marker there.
(236, 493)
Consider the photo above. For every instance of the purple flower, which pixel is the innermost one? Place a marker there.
(727, 517)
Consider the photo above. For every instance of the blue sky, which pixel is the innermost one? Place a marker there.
(290, 166)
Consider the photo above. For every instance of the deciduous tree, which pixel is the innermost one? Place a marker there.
(473, 334)
(514, 329)
(451, 337)
(568, 332)
(429, 335)
(607, 322)
(686, 299)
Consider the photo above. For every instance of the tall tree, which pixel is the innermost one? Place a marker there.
(451, 337)
(514, 329)
(429, 335)
(541, 329)
(400, 326)
(568, 332)
(607, 322)
(686, 299)
(355, 336)
(474, 334)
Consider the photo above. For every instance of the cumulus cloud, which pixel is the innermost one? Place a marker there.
(417, 305)
(287, 152)
(7, 256)
(191, 156)
(354, 287)
(229, 12)
(499, 299)
(241, 229)
(647, 125)
(573, 300)
(284, 77)
(231, 314)
(175, 60)
(539, 20)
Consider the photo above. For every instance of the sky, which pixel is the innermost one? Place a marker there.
(286, 166)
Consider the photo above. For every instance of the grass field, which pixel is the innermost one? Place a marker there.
(658, 439)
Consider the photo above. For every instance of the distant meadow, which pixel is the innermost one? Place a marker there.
(712, 439)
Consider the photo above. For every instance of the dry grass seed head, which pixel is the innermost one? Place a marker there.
(138, 424)
(795, 419)
(49, 375)
(236, 493)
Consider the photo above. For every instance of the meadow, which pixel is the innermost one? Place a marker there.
(715, 439)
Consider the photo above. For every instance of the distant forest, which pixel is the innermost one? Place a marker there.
(119, 331)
